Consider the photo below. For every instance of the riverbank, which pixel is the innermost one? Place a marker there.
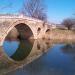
(60, 34)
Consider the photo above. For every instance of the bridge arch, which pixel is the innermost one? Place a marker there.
(30, 24)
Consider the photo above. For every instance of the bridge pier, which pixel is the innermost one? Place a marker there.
(0, 44)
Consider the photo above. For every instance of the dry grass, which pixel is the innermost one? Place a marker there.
(61, 34)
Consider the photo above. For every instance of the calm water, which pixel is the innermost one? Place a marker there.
(17, 50)
(59, 60)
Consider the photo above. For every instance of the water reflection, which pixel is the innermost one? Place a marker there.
(69, 48)
(17, 50)
(10, 47)
(20, 49)
(59, 60)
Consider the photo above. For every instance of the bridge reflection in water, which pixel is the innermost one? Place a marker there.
(17, 50)
(21, 52)
(59, 60)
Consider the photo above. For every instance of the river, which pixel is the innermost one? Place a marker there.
(58, 60)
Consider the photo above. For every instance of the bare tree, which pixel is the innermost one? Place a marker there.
(68, 23)
(35, 9)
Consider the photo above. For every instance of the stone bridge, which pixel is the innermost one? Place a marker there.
(7, 22)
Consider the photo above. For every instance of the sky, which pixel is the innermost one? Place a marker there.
(57, 10)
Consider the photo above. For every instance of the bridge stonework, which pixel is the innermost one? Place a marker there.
(7, 23)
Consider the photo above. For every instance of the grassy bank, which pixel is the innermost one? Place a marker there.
(61, 34)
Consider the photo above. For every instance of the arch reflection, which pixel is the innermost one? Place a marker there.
(17, 50)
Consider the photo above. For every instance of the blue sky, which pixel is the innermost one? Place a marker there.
(57, 10)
